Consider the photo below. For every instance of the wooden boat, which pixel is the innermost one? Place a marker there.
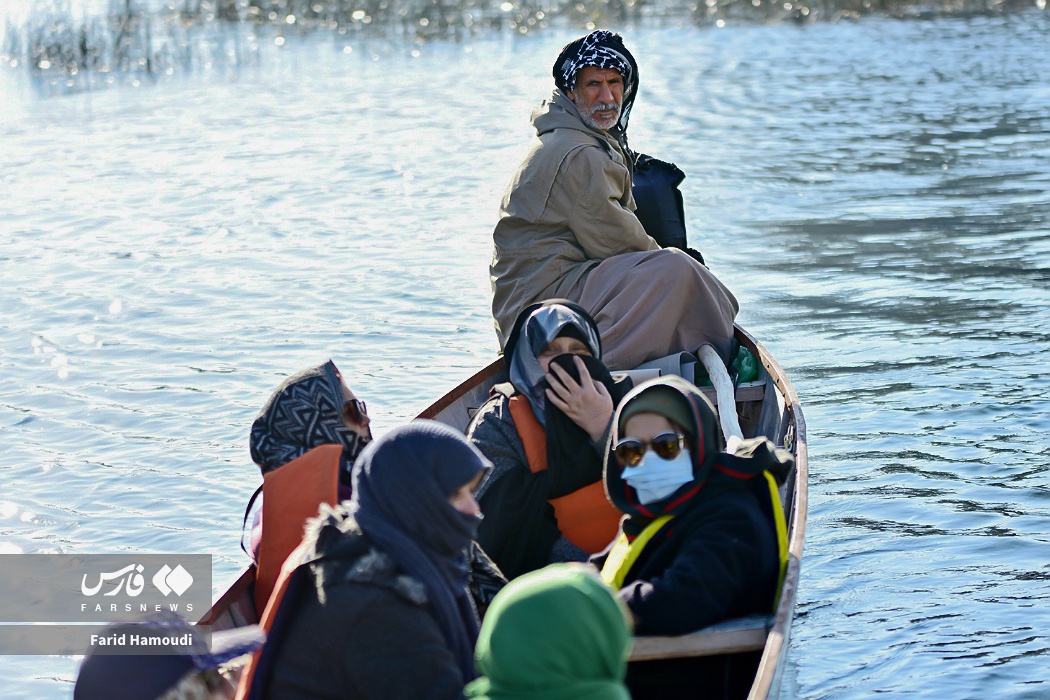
(766, 406)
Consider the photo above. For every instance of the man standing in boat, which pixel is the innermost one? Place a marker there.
(567, 226)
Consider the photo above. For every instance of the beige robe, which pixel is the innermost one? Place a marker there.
(652, 304)
(567, 228)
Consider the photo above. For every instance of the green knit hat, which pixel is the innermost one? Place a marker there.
(558, 633)
(660, 399)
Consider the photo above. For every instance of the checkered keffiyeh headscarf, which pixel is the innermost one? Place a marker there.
(600, 49)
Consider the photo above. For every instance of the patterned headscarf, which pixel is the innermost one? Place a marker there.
(600, 49)
(305, 411)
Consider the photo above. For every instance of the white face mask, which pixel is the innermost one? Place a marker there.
(656, 478)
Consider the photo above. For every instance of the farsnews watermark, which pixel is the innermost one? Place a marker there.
(166, 580)
(60, 604)
(130, 581)
(141, 640)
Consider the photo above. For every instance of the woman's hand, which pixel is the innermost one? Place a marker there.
(586, 402)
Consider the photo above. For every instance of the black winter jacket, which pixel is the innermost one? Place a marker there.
(363, 629)
(717, 560)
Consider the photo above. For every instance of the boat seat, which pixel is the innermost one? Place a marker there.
(681, 363)
(729, 637)
(684, 365)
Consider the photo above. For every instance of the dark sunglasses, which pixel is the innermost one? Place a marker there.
(355, 411)
(667, 445)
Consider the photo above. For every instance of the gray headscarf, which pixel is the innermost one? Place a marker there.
(542, 326)
(305, 411)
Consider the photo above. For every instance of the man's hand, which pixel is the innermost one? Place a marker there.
(587, 403)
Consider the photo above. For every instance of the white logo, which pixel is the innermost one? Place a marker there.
(130, 575)
(167, 581)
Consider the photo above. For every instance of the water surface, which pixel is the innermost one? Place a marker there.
(875, 193)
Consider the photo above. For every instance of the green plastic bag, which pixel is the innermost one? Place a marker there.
(745, 365)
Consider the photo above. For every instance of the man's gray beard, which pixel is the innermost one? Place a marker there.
(588, 116)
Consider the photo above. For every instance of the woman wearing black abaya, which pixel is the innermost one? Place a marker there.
(546, 432)
(380, 606)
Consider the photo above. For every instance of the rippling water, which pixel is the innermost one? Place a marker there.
(876, 193)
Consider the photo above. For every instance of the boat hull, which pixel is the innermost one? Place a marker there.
(769, 407)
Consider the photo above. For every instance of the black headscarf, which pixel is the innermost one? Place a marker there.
(713, 470)
(572, 461)
(305, 411)
(600, 49)
(111, 676)
(701, 427)
(401, 488)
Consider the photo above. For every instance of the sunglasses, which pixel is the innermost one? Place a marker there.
(629, 451)
(355, 411)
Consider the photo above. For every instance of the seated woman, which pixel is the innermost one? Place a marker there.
(305, 441)
(546, 432)
(554, 633)
(379, 606)
(311, 408)
(704, 538)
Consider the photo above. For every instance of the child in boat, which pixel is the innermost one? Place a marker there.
(379, 606)
(554, 633)
(703, 540)
(545, 432)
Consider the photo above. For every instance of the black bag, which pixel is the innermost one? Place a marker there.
(659, 202)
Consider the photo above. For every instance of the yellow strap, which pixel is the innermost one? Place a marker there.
(782, 535)
(623, 554)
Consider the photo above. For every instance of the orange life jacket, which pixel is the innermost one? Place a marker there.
(292, 494)
(585, 517)
(269, 613)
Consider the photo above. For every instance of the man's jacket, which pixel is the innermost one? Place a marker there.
(568, 207)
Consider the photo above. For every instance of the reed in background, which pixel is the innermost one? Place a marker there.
(81, 43)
